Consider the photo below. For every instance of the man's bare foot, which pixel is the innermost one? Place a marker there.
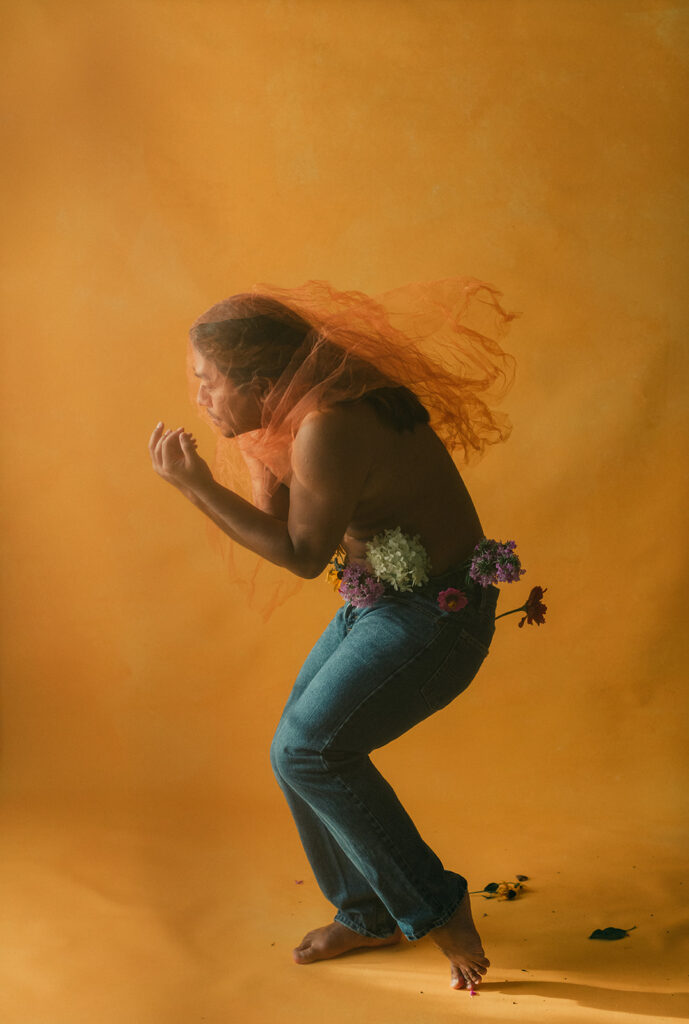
(461, 944)
(334, 939)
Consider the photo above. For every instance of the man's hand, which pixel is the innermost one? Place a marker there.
(174, 457)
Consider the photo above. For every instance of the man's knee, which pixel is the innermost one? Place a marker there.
(283, 748)
(277, 753)
(293, 754)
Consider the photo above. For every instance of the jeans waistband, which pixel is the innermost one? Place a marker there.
(458, 576)
(478, 596)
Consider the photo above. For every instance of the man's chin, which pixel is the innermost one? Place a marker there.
(221, 428)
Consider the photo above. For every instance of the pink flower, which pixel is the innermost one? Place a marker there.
(452, 600)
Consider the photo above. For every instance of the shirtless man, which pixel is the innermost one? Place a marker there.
(354, 474)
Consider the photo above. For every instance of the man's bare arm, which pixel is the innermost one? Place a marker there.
(266, 493)
(328, 471)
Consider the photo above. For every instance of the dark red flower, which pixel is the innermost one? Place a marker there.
(534, 607)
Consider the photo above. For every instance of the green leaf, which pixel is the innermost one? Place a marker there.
(491, 887)
(610, 933)
(522, 878)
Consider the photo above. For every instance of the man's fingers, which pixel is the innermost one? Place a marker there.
(162, 439)
(170, 438)
(155, 437)
(188, 444)
(166, 446)
(170, 447)
(160, 445)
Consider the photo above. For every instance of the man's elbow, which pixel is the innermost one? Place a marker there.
(309, 570)
(308, 566)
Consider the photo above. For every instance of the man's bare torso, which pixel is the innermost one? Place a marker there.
(410, 482)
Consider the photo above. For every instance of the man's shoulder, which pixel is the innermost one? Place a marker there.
(335, 424)
(334, 435)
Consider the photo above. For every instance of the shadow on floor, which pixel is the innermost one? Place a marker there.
(651, 1004)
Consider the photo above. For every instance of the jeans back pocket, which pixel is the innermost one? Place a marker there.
(456, 672)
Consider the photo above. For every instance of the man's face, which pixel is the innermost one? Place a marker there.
(234, 410)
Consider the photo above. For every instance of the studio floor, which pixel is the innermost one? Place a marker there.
(163, 916)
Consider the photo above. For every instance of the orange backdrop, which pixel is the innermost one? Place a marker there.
(162, 154)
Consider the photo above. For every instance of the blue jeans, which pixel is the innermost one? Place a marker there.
(373, 674)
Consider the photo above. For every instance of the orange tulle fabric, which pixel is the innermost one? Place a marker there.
(440, 339)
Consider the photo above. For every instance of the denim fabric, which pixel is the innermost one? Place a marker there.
(373, 674)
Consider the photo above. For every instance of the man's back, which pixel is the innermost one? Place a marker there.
(398, 478)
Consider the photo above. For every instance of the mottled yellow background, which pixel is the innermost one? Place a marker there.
(162, 154)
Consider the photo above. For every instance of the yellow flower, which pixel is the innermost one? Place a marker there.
(337, 564)
(508, 890)
(334, 577)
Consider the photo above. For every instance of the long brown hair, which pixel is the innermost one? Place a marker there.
(266, 339)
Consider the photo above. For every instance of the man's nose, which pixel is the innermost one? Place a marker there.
(201, 397)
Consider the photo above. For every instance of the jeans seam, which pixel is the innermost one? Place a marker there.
(405, 868)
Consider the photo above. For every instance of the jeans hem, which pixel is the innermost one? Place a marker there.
(415, 934)
(348, 923)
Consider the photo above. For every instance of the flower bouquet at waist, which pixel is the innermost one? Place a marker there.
(396, 562)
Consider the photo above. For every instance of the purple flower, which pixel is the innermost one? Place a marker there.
(360, 587)
(495, 562)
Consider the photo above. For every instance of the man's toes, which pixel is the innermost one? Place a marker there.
(467, 977)
(302, 954)
(456, 977)
(472, 977)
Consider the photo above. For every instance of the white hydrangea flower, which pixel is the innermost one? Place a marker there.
(398, 559)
